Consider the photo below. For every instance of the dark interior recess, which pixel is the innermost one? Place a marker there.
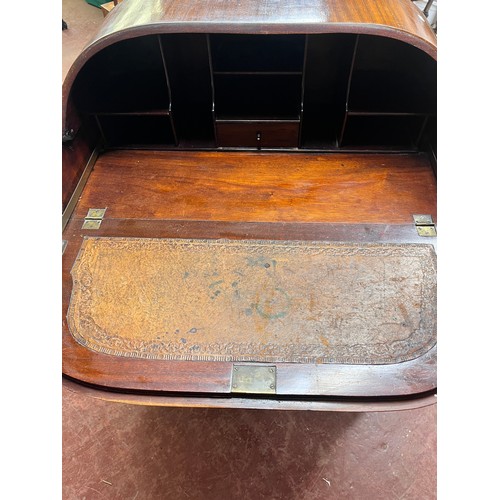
(257, 96)
(136, 130)
(391, 76)
(382, 131)
(128, 76)
(186, 57)
(257, 53)
(343, 90)
(326, 77)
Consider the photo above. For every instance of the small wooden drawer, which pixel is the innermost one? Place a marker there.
(258, 134)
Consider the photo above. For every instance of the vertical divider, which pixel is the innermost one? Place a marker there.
(100, 128)
(421, 132)
(211, 67)
(301, 117)
(341, 135)
(170, 112)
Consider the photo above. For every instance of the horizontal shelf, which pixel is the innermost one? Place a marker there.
(197, 144)
(158, 112)
(257, 119)
(384, 113)
(261, 73)
(376, 149)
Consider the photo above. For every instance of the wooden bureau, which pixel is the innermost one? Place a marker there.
(249, 206)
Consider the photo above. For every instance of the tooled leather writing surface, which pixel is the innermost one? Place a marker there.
(249, 300)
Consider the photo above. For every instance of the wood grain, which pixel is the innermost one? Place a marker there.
(258, 134)
(245, 187)
(189, 401)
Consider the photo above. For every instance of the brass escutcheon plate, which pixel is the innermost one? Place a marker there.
(254, 379)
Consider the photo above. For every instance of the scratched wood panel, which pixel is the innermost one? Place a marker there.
(351, 188)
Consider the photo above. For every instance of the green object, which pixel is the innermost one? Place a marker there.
(97, 3)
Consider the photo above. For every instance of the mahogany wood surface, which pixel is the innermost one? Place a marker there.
(295, 231)
(339, 404)
(260, 187)
(258, 134)
(271, 16)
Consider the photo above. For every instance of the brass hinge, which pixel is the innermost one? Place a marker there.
(254, 379)
(425, 225)
(94, 218)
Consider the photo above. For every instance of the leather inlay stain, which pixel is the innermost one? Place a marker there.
(263, 301)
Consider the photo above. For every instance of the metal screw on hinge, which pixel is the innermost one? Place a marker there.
(68, 135)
